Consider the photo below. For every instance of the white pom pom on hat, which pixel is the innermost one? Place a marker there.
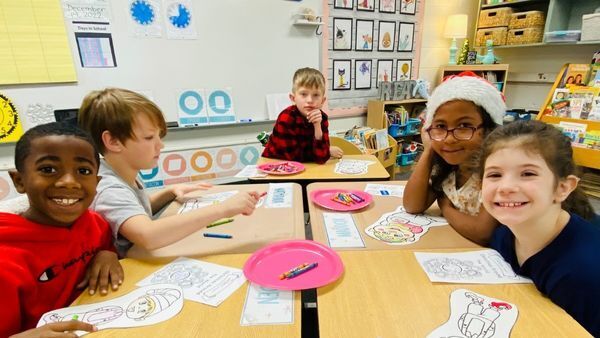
(469, 87)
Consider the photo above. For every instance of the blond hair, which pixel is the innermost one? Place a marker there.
(309, 78)
(115, 110)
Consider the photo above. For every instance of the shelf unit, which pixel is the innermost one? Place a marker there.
(501, 71)
(377, 119)
(584, 157)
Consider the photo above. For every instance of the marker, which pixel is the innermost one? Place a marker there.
(263, 194)
(303, 270)
(219, 222)
(207, 234)
(75, 317)
(245, 120)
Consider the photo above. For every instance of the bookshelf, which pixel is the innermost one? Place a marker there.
(500, 71)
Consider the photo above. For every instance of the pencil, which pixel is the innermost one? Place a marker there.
(220, 222)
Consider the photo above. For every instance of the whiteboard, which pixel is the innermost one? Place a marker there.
(251, 47)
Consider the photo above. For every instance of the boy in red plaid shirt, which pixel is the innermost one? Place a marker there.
(301, 131)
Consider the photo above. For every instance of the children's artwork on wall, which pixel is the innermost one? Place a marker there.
(342, 73)
(145, 18)
(387, 35)
(403, 69)
(179, 21)
(387, 6)
(366, 5)
(11, 128)
(408, 6)
(343, 4)
(220, 106)
(364, 35)
(342, 34)
(363, 70)
(406, 32)
(191, 108)
(384, 71)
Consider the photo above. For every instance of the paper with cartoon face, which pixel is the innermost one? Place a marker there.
(401, 228)
(144, 306)
(477, 316)
(352, 167)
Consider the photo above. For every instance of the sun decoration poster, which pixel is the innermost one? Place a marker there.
(10, 125)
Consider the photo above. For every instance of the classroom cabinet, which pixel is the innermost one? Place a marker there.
(495, 74)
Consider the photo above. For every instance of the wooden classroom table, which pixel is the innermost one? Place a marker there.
(325, 172)
(264, 226)
(195, 319)
(385, 293)
(438, 237)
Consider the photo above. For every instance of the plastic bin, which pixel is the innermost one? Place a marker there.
(410, 128)
(406, 158)
(562, 36)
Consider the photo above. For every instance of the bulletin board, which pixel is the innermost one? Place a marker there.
(247, 48)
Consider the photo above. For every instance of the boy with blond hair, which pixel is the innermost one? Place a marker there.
(301, 131)
(128, 130)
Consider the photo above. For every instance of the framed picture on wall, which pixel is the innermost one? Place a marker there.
(342, 73)
(384, 71)
(403, 69)
(387, 6)
(343, 4)
(366, 5)
(408, 6)
(364, 35)
(471, 57)
(342, 34)
(363, 70)
(387, 35)
(406, 33)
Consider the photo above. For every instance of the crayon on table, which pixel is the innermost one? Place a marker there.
(220, 222)
(286, 274)
(207, 234)
(303, 270)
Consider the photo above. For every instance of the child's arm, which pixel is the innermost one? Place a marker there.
(418, 194)
(478, 228)
(336, 152)
(321, 142)
(154, 234)
(104, 268)
(161, 198)
(58, 330)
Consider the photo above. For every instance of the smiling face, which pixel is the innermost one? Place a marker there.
(452, 115)
(518, 187)
(307, 99)
(60, 177)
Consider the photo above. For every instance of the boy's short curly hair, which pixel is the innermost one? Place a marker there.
(115, 109)
(309, 78)
(23, 146)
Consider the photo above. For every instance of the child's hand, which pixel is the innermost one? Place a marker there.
(179, 190)
(105, 266)
(60, 329)
(425, 138)
(241, 203)
(315, 117)
(336, 152)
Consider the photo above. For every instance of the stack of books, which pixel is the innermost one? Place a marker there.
(578, 95)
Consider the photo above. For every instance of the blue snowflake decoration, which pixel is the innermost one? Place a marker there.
(142, 12)
(179, 16)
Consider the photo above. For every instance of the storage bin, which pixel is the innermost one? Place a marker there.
(494, 17)
(406, 158)
(526, 19)
(590, 27)
(410, 128)
(562, 36)
(524, 36)
(498, 35)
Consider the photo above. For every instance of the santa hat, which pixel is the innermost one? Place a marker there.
(469, 87)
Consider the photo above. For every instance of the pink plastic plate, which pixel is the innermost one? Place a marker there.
(271, 168)
(323, 197)
(266, 265)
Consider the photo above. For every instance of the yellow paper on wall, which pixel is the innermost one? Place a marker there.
(11, 128)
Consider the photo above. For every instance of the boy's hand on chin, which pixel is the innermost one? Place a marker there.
(60, 329)
(104, 268)
(314, 116)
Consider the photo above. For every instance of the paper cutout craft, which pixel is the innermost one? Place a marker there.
(475, 315)
(141, 307)
(202, 282)
(267, 306)
(205, 200)
(401, 228)
(10, 124)
(352, 167)
(475, 267)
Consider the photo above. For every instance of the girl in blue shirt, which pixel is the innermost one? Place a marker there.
(529, 186)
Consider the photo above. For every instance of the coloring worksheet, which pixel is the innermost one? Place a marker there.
(200, 281)
(144, 306)
(205, 200)
(352, 167)
(475, 267)
(475, 315)
(401, 228)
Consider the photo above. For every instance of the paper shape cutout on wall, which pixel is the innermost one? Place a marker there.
(143, 306)
(144, 18)
(220, 106)
(191, 108)
(179, 19)
(10, 125)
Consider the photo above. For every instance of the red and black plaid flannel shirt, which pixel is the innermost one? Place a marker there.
(293, 138)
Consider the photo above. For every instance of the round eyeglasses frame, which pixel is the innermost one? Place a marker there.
(448, 131)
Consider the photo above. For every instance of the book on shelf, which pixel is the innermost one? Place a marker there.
(594, 76)
(576, 75)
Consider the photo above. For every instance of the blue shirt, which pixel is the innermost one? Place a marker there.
(567, 270)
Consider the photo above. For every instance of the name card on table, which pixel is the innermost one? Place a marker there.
(267, 306)
(342, 231)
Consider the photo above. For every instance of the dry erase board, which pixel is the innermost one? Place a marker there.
(251, 48)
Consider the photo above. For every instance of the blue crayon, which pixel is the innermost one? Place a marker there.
(207, 234)
(303, 270)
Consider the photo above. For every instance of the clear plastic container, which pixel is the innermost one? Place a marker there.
(562, 36)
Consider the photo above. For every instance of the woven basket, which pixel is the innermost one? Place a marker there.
(497, 34)
(526, 19)
(524, 36)
(495, 17)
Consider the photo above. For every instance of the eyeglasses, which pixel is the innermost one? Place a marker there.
(460, 133)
